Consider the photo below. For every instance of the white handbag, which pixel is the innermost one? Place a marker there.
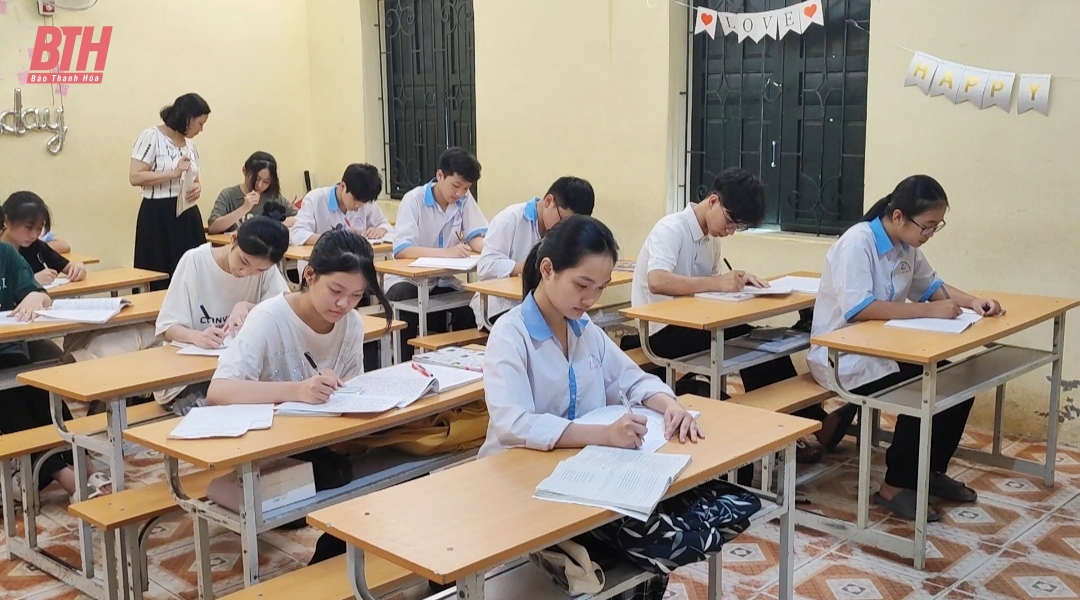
(569, 566)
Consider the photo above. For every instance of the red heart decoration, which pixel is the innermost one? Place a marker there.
(706, 18)
(810, 11)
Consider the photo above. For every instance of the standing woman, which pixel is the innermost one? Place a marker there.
(161, 157)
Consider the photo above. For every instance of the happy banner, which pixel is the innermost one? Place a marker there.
(982, 87)
(757, 26)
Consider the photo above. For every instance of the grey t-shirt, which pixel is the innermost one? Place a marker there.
(231, 198)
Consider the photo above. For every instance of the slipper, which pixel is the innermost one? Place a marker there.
(846, 415)
(903, 504)
(805, 454)
(947, 488)
(96, 482)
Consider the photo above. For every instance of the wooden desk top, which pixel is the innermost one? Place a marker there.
(700, 313)
(121, 375)
(106, 281)
(304, 252)
(84, 259)
(400, 266)
(510, 287)
(407, 524)
(292, 433)
(873, 338)
(219, 239)
(144, 307)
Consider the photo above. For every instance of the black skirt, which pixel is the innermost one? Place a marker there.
(161, 237)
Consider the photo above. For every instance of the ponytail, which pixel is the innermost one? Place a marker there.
(879, 209)
(913, 196)
(530, 274)
(568, 242)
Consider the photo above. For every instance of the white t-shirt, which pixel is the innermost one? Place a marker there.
(512, 234)
(320, 212)
(156, 149)
(271, 346)
(678, 245)
(201, 294)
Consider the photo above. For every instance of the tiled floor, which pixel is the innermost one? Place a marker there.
(1021, 540)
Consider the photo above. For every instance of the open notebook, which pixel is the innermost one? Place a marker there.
(232, 420)
(957, 325)
(83, 310)
(193, 350)
(453, 356)
(654, 435)
(384, 389)
(625, 481)
(747, 293)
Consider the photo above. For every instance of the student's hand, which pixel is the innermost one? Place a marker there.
(374, 233)
(732, 281)
(194, 193)
(76, 271)
(45, 276)
(317, 389)
(458, 251)
(210, 338)
(679, 423)
(987, 307)
(33, 302)
(755, 281)
(181, 166)
(943, 309)
(251, 199)
(627, 432)
(236, 318)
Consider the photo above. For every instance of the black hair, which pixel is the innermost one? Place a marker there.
(913, 196)
(458, 161)
(263, 237)
(258, 161)
(27, 207)
(742, 194)
(574, 194)
(342, 250)
(568, 242)
(177, 115)
(362, 181)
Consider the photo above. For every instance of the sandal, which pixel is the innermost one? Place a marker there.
(96, 482)
(903, 504)
(805, 454)
(846, 416)
(947, 488)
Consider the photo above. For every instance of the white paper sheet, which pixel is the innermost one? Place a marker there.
(454, 264)
(805, 285)
(957, 325)
(234, 420)
(654, 436)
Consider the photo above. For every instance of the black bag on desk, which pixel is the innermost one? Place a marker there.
(684, 529)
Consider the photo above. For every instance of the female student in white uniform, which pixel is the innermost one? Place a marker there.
(546, 363)
(870, 274)
(517, 228)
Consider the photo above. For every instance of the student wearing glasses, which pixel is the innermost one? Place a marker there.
(517, 228)
(876, 272)
(682, 257)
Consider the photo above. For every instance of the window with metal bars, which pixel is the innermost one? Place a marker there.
(428, 71)
(791, 111)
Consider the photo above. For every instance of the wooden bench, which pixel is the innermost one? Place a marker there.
(46, 437)
(785, 396)
(638, 356)
(436, 341)
(329, 580)
(140, 504)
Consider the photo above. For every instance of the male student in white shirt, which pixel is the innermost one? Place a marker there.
(681, 257)
(349, 203)
(439, 218)
(519, 227)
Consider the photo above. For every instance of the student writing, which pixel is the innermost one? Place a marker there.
(877, 271)
(349, 203)
(25, 216)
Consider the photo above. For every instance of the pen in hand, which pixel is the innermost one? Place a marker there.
(315, 367)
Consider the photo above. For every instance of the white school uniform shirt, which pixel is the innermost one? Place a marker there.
(202, 295)
(677, 244)
(533, 392)
(156, 149)
(422, 222)
(271, 346)
(320, 212)
(512, 234)
(861, 267)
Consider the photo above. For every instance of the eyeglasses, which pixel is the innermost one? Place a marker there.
(927, 230)
(732, 224)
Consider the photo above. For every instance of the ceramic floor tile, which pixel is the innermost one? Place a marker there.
(175, 569)
(1014, 576)
(838, 577)
(1067, 460)
(1055, 538)
(688, 584)
(1019, 489)
(988, 521)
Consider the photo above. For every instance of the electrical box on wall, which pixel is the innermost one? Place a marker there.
(46, 8)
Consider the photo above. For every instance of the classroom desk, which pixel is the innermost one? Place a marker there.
(84, 259)
(294, 252)
(510, 288)
(109, 280)
(942, 387)
(495, 519)
(424, 302)
(714, 316)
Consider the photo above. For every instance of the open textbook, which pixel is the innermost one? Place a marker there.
(654, 436)
(83, 310)
(385, 389)
(625, 481)
(233, 420)
(454, 356)
(957, 325)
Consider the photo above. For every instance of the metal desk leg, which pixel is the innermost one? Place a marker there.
(386, 351)
(717, 382)
(999, 415)
(922, 508)
(716, 576)
(86, 536)
(7, 483)
(422, 296)
(250, 517)
(1055, 400)
(471, 587)
(203, 557)
(867, 429)
(787, 526)
(357, 575)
